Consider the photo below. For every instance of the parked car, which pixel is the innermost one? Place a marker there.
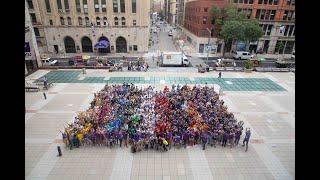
(49, 62)
(91, 62)
(242, 55)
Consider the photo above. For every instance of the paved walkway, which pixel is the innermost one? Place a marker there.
(269, 114)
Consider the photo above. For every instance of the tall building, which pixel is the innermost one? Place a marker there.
(276, 18)
(32, 56)
(76, 26)
(181, 4)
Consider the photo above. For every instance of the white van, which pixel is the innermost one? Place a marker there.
(48, 62)
(242, 55)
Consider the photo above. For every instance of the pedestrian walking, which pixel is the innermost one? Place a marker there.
(152, 58)
(44, 95)
(219, 74)
(247, 137)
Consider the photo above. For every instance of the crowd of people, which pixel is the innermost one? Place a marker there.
(143, 118)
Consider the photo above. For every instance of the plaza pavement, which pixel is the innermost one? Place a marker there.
(269, 114)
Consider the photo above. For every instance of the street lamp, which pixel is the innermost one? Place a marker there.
(209, 30)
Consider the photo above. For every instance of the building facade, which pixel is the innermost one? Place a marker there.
(76, 26)
(276, 18)
(32, 56)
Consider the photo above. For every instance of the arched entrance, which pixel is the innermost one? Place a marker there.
(69, 45)
(104, 50)
(121, 45)
(86, 44)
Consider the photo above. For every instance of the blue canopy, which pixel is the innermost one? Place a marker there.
(102, 44)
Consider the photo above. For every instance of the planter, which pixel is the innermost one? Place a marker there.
(248, 70)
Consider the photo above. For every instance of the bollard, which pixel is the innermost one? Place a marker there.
(59, 151)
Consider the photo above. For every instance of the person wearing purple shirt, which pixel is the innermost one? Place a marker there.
(237, 136)
(225, 138)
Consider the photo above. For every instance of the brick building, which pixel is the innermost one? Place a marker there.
(276, 18)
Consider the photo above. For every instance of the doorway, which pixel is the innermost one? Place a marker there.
(56, 49)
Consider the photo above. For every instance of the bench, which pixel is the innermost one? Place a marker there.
(220, 68)
(229, 68)
(238, 68)
(32, 89)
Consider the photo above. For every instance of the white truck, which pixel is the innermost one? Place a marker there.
(173, 59)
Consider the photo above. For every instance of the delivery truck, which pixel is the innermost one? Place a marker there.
(173, 59)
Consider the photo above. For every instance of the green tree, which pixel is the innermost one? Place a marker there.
(234, 25)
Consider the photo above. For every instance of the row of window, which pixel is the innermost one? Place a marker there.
(264, 14)
(98, 22)
(195, 10)
(243, 1)
(270, 2)
(286, 47)
(288, 30)
(118, 6)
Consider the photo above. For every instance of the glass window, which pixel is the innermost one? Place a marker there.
(33, 18)
(272, 15)
(205, 9)
(78, 7)
(258, 13)
(286, 30)
(275, 2)
(87, 21)
(263, 12)
(80, 21)
(291, 30)
(69, 21)
(288, 2)
(59, 4)
(50, 22)
(30, 4)
(135, 48)
(249, 12)
(289, 47)
(285, 15)
(235, 1)
(267, 15)
(245, 1)
(260, 2)
(85, 6)
(269, 29)
(62, 20)
(36, 31)
(96, 6)
(48, 6)
(134, 22)
(98, 21)
(240, 1)
(250, 1)
(105, 21)
(134, 6)
(122, 6)
(104, 5)
(204, 20)
(265, 1)
(66, 5)
(290, 15)
(123, 21)
(115, 6)
(116, 21)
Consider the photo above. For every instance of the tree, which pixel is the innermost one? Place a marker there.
(234, 25)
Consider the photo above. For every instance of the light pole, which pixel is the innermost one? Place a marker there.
(209, 30)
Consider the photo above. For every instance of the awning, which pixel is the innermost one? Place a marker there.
(102, 44)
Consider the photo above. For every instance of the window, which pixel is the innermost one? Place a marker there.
(30, 4)
(205, 9)
(48, 6)
(249, 12)
(134, 6)
(135, 48)
(87, 21)
(98, 21)
(240, 1)
(245, 1)
(270, 2)
(269, 29)
(59, 4)
(291, 30)
(265, 1)
(250, 1)
(285, 15)
(66, 5)
(235, 1)
(36, 32)
(272, 15)
(134, 22)
(116, 23)
(267, 14)
(258, 13)
(104, 5)
(289, 47)
(260, 2)
(123, 21)
(85, 6)
(204, 20)
(105, 23)
(263, 12)
(286, 30)
(78, 7)
(62, 20)
(122, 6)
(290, 15)
(115, 6)
(69, 21)
(279, 47)
(275, 2)
(96, 6)
(288, 2)
(80, 21)
(50, 22)
(33, 18)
